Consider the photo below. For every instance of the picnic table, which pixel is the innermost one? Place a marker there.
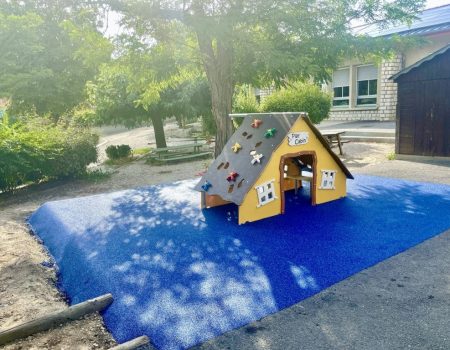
(334, 139)
(179, 153)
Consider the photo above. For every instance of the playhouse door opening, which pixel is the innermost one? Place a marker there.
(298, 174)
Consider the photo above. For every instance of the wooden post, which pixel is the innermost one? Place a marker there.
(339, 144)
(202, 200)
(139, 343)
(44, 323)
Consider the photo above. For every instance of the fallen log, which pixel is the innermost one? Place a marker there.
(139, 343)
(46, 322)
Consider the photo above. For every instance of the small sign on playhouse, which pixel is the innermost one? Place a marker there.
(297, 138)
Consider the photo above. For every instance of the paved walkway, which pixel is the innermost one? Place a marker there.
(362, 131)
(370, 125)
(142, 137)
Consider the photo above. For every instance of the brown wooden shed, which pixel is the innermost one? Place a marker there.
(423, 106)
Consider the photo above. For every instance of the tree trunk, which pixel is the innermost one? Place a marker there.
(218, 65)
(221, 101)
(158, 128)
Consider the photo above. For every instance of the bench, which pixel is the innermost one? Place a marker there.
(182, 158)
(187, 148)
(298, 179)
(179, 153)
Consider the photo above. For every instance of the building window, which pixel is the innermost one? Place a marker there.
(367, 85)
(328, 177)
(266, 193)
(341, 87)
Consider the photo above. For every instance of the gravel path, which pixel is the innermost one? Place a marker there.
(142, 137)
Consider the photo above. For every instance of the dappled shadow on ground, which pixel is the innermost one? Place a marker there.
(182, 275)
(358, 155)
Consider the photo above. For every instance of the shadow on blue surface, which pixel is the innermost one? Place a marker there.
(182, 275)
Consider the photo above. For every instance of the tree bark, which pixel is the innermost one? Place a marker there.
(158, 128)
(218, 65)
(221, 102)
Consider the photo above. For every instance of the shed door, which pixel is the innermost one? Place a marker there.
(407, 106)
(424, 111)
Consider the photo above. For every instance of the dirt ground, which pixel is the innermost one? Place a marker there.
(27, 288)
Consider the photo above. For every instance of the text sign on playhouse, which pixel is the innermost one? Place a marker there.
(297, 138)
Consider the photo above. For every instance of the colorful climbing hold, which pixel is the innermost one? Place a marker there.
(206, 186)
(270, 132)
(232, 176)
(256, 123)
(256, 157)
(236, 147)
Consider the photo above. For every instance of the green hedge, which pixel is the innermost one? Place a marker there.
(37, 151)
(244, 101)
(300, 97)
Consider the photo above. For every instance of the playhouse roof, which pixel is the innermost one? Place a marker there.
(250, 139)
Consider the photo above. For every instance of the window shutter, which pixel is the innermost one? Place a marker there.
(367, 73)
(341, 77)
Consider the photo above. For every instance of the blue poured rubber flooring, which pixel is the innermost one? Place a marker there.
(182, 275)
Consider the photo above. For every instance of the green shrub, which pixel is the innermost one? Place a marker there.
(244, 101)
(82, 116)
(30, 152)
(209, 127)
(300, 97)
(118, 152)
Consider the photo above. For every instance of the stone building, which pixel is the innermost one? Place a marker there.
(364, 90)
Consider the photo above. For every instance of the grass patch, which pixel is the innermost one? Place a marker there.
(96, 176)
(390, 156)
(141, 151)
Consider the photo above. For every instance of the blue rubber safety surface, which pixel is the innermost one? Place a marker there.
(182, 275)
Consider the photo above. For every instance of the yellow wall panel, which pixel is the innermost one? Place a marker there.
(249, 211)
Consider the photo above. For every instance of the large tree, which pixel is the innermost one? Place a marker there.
(263, 41)
(50, 49)
(148, 83)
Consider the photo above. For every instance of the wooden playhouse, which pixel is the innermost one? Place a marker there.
(269, 154)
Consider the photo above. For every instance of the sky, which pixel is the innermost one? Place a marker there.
(114, 17)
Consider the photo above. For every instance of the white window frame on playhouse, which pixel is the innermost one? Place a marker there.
(266, 191)
(328, 179)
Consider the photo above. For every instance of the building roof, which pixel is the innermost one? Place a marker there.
(429, 21)
(250, 139)
(419, 63)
